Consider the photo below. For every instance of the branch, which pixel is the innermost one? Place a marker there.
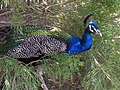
(4, 22)
(107, 75)
(5, 13)
(40, 76)
(62, 3)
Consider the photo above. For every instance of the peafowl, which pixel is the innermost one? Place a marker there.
(38, 45)
(48, 30)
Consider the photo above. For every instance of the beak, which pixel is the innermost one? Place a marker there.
(99, 33)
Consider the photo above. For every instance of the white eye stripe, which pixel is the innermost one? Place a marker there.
(94, 29)
(90, 28)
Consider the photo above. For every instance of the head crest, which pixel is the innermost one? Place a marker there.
(88, 19)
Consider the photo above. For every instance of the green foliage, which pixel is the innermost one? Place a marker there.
(31, 31)
(9, 45)
(17, 76)
(97, 68)
(62, 66)
(55, 33)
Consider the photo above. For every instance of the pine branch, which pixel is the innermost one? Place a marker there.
(40, 76)
(106, 74)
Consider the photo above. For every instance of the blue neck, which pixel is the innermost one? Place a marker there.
(86, 42)
(76, 45)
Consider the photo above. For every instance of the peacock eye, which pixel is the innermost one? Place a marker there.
(93, 29)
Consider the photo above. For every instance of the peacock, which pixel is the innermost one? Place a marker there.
(12, 42)
(37, 46)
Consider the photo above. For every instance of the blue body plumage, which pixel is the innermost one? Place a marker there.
(76, 45)
(73, 45)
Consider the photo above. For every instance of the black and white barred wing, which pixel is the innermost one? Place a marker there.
(35, 46)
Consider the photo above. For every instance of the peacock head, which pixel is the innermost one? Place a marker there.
(92, 27)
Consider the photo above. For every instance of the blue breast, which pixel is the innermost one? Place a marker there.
(86, 42)
(76, 45)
